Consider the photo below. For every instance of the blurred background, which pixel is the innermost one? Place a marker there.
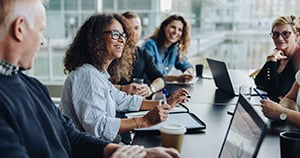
(236, 31)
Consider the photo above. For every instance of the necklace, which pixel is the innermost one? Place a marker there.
(166, 60)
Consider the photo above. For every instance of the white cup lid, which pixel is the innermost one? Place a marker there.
(173, 128)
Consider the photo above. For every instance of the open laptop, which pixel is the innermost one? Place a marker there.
(222, 79)
(245, 132)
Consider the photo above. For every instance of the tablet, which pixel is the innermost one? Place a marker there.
(191, 122)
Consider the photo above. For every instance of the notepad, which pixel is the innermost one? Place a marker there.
(179, 114)
(176, 109)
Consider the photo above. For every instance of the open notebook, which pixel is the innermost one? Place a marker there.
(245, 132)
(179, 114)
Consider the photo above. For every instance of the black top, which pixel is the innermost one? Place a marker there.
(276, 84)
(32, 126)
(143, 67)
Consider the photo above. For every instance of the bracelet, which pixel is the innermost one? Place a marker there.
(136, 123)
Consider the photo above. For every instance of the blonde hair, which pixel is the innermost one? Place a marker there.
(290, 20)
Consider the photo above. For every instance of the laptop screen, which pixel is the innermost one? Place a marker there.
(221, 75)
(245, 133)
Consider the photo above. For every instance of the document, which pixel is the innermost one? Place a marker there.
(179, 114)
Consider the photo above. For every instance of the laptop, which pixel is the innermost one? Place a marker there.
(222, 79)
(245, 132)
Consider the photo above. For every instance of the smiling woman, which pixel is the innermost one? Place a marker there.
(168, 46)
(278, 74)
(88, 96)
(87, 49)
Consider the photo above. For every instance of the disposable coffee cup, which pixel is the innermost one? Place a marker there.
(290, 144)
(172, 135)
(199, 70)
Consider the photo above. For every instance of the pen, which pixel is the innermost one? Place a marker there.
(164, 91)
(189, 71)
(259, 94)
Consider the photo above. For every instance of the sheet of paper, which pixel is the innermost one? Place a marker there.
(178, 108)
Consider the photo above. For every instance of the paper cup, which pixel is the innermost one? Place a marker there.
(172, 135)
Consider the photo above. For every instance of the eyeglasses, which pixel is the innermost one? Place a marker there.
(284, 34)
(115, 34)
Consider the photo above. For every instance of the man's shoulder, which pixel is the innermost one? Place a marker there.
(142, 53)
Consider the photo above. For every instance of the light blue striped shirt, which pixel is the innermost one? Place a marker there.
(89, 98)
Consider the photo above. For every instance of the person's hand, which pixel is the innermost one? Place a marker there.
(144, 91)
(156, 115)
(162, 152)
(271, 109)
(185, 78)
(179, 96)
(276, 55)
(132, 88)
(129, 151)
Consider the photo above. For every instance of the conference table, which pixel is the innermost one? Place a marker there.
(212, 107)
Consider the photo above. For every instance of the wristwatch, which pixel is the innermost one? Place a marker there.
(152, 89)
(283, 116)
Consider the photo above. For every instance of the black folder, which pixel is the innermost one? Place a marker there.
(192, 122)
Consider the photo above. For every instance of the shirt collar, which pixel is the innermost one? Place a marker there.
(8, 69)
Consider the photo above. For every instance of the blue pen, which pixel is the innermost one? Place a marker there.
(164, 91)
(259, 94)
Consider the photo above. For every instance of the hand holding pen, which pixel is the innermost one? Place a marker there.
(259, 94)
(179, 96)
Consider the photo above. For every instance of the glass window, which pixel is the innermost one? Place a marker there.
(71, 5)
(134, 4)
(127, 4)
(55, 25)
(54, 5)
(71, 25)
(108, 4)
(88, 4)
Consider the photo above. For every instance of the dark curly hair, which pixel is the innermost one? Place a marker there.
(184, 42)
(89, 47)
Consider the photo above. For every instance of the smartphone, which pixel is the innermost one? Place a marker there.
(259, 94)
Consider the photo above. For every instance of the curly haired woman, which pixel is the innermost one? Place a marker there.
(88, 96)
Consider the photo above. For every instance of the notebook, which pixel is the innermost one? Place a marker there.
(245, 132)
(180, 115)
(222, 79)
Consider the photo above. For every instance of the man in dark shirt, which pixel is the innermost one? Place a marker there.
(143, 66)
(30, 123)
